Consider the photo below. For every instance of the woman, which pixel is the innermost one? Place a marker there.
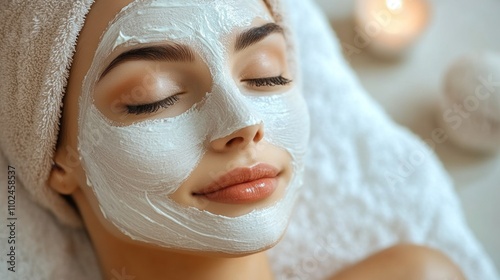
(190, 129)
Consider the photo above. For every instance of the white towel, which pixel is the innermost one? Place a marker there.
(348, 209)
(37, 41)
(369, 183)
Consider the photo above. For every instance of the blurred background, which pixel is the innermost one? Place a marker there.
(435, 68)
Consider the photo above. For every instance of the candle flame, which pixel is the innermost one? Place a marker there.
(394, 5)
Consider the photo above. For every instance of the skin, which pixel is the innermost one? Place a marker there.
(403, 261)
(120, 255)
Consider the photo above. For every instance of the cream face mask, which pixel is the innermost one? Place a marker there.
(133, 169)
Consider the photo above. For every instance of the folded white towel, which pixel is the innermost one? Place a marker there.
(369, 183)
(366, 187)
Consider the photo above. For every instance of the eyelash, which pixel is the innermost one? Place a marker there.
(153, 107)
(268, 82)
(171, 100)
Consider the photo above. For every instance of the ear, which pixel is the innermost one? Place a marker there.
(63, 177)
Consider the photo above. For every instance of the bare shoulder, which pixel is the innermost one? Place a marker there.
(403, 261)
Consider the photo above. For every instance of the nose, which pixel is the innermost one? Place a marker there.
(239, 139)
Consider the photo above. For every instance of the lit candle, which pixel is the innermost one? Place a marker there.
(389, 27)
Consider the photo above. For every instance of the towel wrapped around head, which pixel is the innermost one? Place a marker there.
(37, 46)
(355, 200)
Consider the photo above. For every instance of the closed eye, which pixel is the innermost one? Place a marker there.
(153, 107)
(171, 100)
(268, 82)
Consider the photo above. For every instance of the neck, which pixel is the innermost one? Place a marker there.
(128, 262)
(121, 258)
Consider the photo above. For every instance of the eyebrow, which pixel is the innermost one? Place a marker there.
(181, 53)
(256, 34)
(170, 52)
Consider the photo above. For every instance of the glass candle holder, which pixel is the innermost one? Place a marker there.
(389, 27)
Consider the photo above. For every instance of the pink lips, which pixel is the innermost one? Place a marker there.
(243, 185)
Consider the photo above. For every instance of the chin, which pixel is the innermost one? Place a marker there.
(226, 255)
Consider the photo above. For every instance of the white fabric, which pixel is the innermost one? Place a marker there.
(45, 249)
(38, 39)
(369, 183)
(348, 208)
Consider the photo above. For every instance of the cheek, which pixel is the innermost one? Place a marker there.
(95, 221)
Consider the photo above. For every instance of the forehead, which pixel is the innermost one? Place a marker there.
(182, 20)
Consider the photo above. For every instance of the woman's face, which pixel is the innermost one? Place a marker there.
(190, 130)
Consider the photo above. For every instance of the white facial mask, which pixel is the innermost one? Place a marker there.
(132, 169)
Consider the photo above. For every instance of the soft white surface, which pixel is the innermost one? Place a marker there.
(369, 183)
(409, 91)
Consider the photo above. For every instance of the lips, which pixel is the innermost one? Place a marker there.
(242, 185)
